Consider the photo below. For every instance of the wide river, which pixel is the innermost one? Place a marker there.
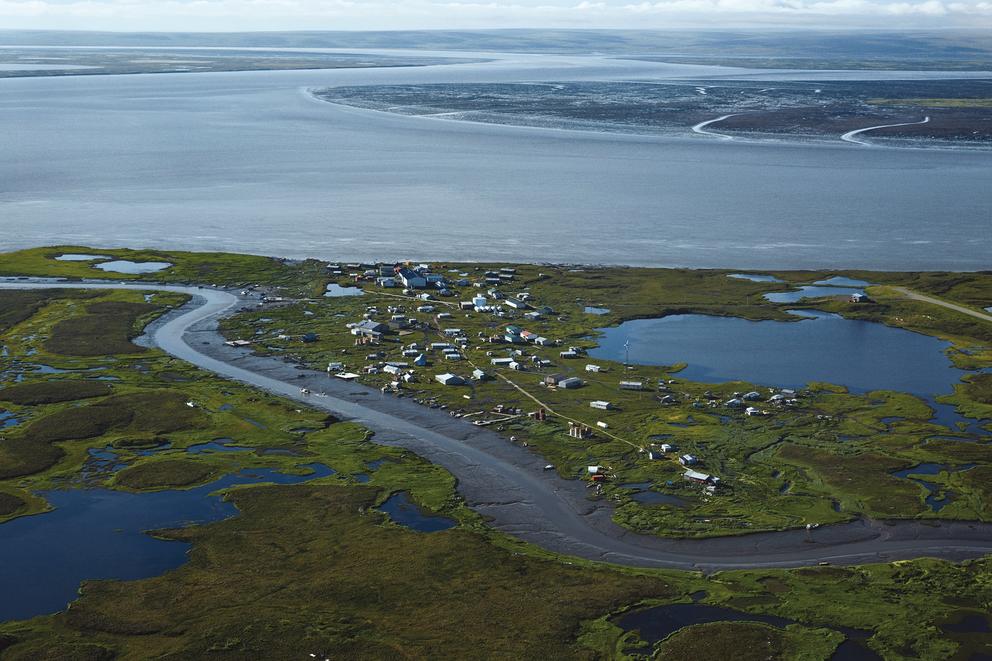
(250, 162)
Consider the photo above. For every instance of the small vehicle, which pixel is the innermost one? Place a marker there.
(549, 467)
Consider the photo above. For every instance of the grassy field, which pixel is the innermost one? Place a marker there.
(316, 568)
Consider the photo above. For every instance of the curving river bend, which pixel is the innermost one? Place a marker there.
(506, 483)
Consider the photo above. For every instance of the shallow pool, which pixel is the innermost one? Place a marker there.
(133, 268)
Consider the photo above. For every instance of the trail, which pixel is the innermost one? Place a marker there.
(850, 135)
(916, 296)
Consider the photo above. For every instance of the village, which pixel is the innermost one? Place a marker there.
(483, 345)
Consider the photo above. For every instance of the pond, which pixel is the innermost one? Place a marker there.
(655, 624)
(810, 291)
(133, 268)
(106, 531)
(406, 513)
(841, 281)
(861, 355)
(334, 290)
(754, 277)
(591, 309)
(79, 257)
(8, 419)
(218, 445)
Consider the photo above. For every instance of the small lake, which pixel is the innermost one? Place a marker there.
(810, 291)
(841, 281)
(591, 309)
(105, 531)
(133, 268)
(406, 513)
(79, 257)
(861, 355)
(334, 290)
(754, 277)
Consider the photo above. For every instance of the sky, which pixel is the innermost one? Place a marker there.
(237, 15)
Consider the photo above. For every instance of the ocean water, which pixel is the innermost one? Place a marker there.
(251, 162)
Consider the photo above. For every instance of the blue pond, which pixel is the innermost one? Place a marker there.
(334, 290)
(8, 419)
(810, 291)
(841, 281)
(754, 277)
(100, 534)
(127, 266)
(861, 355)
(406, 513)
(219, 445)
(590, 309)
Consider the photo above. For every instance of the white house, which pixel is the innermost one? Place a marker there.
(448, 379)
(411, 279)
(571, 382)
(601, 405)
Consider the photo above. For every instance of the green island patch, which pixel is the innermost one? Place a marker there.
(52, 392)
(164, 474)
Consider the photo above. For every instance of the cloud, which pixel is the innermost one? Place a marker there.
(225, 15)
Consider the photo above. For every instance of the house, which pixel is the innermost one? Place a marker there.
(631, 385)
(479, 302)
(688, 460)
(479, 375)
(392, 369)
(466, 305)
(543, 341)
(513, 339)
(514, 365)
(533, 316)
(420, 361)
(859, 297)
(309, 338)
(593, 368)
(571, 382)
(595, 470)
(568, 354)
(601, 405)
(369, 328)
(666, 448)
(440, 346)
(449, 379)
(335, 367)
(553, 379)
(752, 396)
(425, 308)
(411, 279)
(501, 362)
(452, 355)
(451, 332)
(735, 403)
(443, 315)
(386, 282)
(702, 478)
(668, 400)
(753, 411)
